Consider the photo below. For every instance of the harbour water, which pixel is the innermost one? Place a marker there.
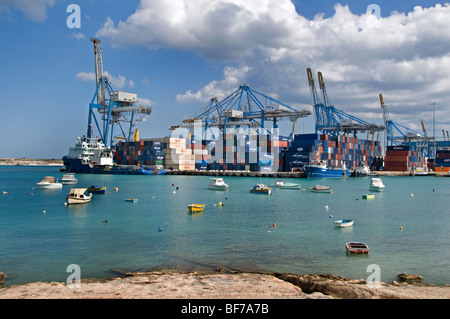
(406, 227)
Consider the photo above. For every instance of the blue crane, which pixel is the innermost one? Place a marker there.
(330, 120)
(244, 107)
(119, 108)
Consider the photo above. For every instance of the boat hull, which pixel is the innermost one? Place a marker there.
(49, 185)
(343, 223)
(72, 201)
(357, 248)
(317, 172)
(76, 166)
(196, 208)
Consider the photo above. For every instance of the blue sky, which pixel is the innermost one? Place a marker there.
(178, 54)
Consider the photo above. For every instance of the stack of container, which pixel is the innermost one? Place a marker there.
(403, 158)
(177, 155)
(442, 161)
(143, 153)
(334, 150)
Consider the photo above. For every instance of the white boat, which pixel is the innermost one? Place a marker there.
(217, 183)
(49, 183)
(376, 184)
(287, 185)
(420, 171)
(321, 189)
(78, 196)
(69, 179)
(343, 223)
(362, 170)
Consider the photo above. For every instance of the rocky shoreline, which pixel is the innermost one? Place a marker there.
(30, 162)
(195, 285)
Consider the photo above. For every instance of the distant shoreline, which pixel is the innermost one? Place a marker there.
(30, 162)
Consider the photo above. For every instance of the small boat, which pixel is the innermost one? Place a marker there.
(97, 189)
(343, 223)
(376, 184)
(368, 196)
(261, 189)
(196, 208)
(357, 248)
(287, 185)
(321, 169)
(321, 189)
(131, 200)
(78, 196)
(68, 179)
(420, 171)
(217, 183)
(49, 183)
(362, 170)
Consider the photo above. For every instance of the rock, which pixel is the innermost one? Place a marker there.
(2, 279)
(403, 277)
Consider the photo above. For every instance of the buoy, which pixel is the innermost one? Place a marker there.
(153, 197)
(43, 212)
(220, 204)
(174, 192)
(401, 227)
(32, 194)
(5, 192)
(105, 221)
(159, 229)
(226, 197)
(173, 184)
(331, 216)
(412, 195)
(116, 189)
(274, 225)
(326, 207)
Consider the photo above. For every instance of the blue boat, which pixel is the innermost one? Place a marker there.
(320, 169)
(97, 189)
(90, 156)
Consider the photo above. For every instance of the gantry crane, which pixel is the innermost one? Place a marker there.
(244, 107)
(118, 108)
(397, 134)
(330, 120)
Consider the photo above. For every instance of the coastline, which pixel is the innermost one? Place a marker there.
(30, 162)
(236, 285)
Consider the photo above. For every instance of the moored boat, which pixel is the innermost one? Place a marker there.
(78, 196)
(321, 189)
(357, 248)
(261, 189)
(97, 189)
(217, 183)
(343, 223)
(196, 208)
(376, 184)
(287, 185)
(131, 200)
(49, 182)
(68, 179)
(321, 169)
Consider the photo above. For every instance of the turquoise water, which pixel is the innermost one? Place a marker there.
(158, 232)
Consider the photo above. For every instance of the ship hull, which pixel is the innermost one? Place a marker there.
(314, 172)
(76, 166)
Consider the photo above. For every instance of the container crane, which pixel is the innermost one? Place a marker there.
(330, 120)
(244, 107)
(119, 108)
(397, 134)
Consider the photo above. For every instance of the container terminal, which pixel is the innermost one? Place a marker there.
(239, 136)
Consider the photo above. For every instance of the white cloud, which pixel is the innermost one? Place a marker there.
(117, 82)
(268, 45)
(35, 10)
(78, 35)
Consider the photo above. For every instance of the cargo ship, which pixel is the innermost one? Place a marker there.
(90, 156)
(320, 169)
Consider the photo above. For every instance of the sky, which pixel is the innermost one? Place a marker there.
(178, 54)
